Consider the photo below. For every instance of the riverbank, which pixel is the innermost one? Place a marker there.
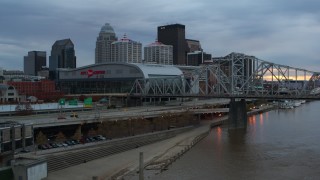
(157, 157)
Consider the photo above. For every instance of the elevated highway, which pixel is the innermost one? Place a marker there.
(96, 115)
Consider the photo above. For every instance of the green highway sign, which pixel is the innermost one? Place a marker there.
(88, 102)
(62, 101)
(73, 102)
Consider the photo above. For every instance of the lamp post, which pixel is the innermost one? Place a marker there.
(161, 123)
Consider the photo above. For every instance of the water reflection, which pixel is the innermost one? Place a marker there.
(261, 119)
(251, 120)
(218, 133)
(279, 144)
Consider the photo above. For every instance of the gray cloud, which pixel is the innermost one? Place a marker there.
(283, 31)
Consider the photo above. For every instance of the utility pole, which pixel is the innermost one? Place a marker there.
(141, 167)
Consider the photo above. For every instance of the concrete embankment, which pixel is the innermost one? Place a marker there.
(171, 151)
(224, 119)
(157, 156)
(116, 165)
(262, 109)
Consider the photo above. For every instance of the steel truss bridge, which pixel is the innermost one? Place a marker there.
(235, 75)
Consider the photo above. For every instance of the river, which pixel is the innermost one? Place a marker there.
(279, 144)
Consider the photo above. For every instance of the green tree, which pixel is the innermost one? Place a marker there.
(103, 128)
(92, 132)
(77, 135)
(41, 138)
(60, 137)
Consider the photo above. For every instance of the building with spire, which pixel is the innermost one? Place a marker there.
(103, 44)
(158, 53)
(126, 50)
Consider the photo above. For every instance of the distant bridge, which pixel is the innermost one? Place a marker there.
(235, 76)
(237, 96)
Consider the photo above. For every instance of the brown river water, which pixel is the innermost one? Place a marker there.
(279, 144)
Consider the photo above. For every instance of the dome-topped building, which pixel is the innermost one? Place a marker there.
(107, 29)
(103, 44)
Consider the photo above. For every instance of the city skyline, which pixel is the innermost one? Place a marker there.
(283, 32)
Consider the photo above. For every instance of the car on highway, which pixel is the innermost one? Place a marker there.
(61, 117)
(74, 115)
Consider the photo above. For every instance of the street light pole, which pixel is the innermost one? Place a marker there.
(141, 177)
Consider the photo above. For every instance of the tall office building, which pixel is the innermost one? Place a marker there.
(174, 35)
(126, 50)
(158, 53)
(103, 44)
(62, 56)
(34, 62)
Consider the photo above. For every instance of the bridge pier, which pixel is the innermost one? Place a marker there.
(237, 114)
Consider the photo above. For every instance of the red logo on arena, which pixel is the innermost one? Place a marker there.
(90, 72)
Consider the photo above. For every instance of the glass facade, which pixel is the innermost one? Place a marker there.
(97, 86)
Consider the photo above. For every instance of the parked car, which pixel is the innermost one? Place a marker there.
(42, 146)
(48, 146)
(89, 139)
(59, 144)
(68, 142)
(76, 141)
(96, 138)
(100, 138)
(72, 142)
(25, 151)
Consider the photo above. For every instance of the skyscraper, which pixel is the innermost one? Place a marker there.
(34, 62)
(126, 50)
(103, 44)
(62, 56)
(174, 35)
(158, 53)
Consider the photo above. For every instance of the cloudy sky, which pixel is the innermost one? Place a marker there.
(281, 31)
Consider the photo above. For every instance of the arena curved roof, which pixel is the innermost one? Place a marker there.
(147, 70)
(158, 70)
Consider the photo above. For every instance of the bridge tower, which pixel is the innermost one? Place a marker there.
(237, 114)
